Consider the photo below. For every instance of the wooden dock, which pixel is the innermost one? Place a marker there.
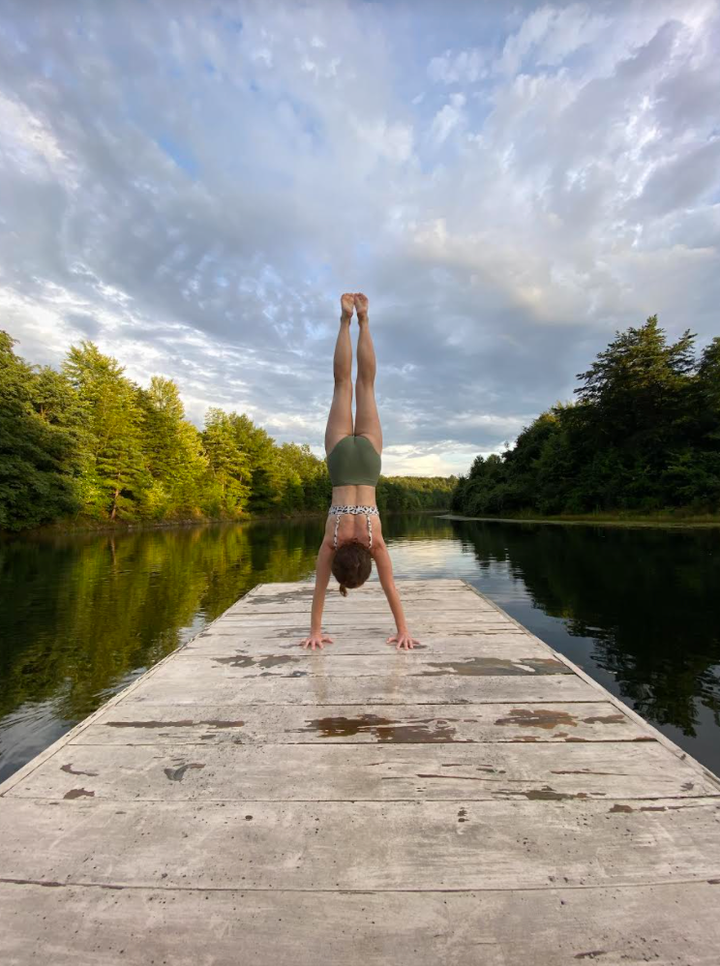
(478, 800)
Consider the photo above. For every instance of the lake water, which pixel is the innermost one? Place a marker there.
(82, 616)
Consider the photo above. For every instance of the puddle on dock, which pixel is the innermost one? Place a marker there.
(384, 729)
(549, 718)
(79, 793)
(71, 771)
(243, 660)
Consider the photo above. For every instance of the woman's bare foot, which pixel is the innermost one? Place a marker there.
(347, 303)
(361, 305)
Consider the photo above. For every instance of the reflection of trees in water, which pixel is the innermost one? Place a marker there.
(80, 613)
(647, 598)
(417, 526)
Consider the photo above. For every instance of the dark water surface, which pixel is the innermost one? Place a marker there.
(82, 616)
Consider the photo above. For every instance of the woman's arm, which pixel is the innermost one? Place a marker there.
(403, 638)
(322, 577)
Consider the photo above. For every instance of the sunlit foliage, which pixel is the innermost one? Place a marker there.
(86, 445)
(643, 436)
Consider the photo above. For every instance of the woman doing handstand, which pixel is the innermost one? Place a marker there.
(354, 459)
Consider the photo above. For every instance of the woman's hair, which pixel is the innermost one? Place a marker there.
(352, 565)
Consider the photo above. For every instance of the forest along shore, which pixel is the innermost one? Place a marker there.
(86, 448)
(122, 526)
(642, 441)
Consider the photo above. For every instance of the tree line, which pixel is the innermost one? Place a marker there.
(643, 436)
(85, 443)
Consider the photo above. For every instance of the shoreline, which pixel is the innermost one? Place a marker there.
(89, 526)
(689, 522)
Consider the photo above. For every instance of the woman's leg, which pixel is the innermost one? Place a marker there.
(367, 420)
(340, 421)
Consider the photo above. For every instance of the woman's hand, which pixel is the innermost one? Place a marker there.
(347, 302)
(316, 640)
(361, 304)
(404, 641)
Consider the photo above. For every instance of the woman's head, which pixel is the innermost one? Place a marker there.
(352, 565)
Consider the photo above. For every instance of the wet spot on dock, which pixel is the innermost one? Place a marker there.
(292, 674)
(548, 794)
(384, 729)
(245, 660)
(79, 793)
(177, 774)
(185, 723)
(71, 771)
(495, 666)
(149, 724)
(605, 719)
(547, 718)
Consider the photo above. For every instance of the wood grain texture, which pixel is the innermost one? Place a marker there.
(501, 644)
(462, 844)
(372, 724)
(182, 683)
(87, 926)
(433, 772)
(479, 800)
(528, 660)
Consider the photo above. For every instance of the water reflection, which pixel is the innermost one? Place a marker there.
(82, 616)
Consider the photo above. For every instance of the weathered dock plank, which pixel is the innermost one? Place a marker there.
(325, 684)
(87, 926)
(245, 666)
(320, 845)
(489, 804)
(404, 724)
(344, 772)
(223, 643)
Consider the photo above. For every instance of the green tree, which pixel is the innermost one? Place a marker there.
(229, 464)
(639, 389)
(173, 454)
(39, 460)
(643, 435)
(88, 441)
(708, 384)
(118, 471)
(266, 468)
(305, 483)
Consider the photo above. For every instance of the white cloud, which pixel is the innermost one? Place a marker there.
(28, 145)
(199, 214)
(447, 118)
(393, 141)
(466, 66)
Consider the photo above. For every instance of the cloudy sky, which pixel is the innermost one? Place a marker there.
(193, 185)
